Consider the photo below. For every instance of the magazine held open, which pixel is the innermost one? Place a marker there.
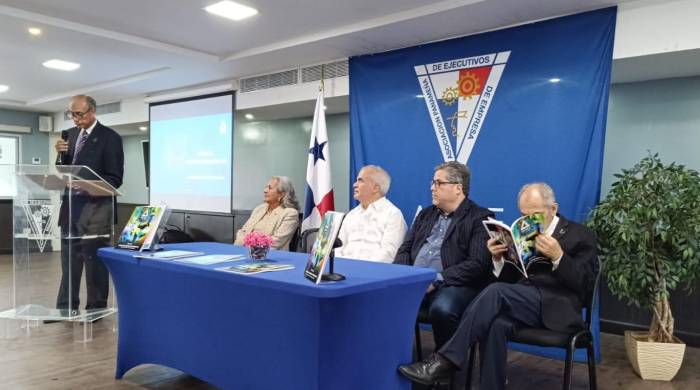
(519, 238)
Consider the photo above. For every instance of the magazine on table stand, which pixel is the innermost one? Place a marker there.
(322, 251)
(141, 231)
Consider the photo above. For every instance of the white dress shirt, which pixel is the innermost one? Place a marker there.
(373, 233)
(89, 129)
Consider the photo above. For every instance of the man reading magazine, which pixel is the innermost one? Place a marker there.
(551, 297)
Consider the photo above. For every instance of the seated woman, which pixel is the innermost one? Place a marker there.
(277, 216)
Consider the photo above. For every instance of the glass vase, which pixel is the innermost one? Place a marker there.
(258, 253)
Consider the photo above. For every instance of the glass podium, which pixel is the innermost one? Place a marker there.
(64, 207)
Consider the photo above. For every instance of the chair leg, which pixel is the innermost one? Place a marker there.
(470, 367)
(568, 367)
(419, 344)
(592, 380)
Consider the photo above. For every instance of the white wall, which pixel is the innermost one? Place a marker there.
(134, 184)
(652, 27)
(661, 116)
(282, 149)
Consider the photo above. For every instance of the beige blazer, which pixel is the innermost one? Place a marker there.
(280, 223)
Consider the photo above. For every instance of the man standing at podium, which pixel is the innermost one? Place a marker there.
(99, 148)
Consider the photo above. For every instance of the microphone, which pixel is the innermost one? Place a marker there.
(61, 155)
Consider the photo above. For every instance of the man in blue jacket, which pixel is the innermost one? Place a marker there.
(450, 238)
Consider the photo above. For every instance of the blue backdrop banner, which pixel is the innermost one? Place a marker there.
(517, 105)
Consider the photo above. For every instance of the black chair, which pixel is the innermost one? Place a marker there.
(294, 243)
(172, 234)
(568, 341)
(421, 319)
(308, 237)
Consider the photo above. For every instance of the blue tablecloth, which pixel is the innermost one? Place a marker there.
(274, 330)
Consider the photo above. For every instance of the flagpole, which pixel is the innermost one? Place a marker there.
(323, 71)
(319, 189)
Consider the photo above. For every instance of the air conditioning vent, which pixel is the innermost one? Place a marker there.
(329, 71)
(272, 80)
(292, 77)
(102, 109)
(109, 108)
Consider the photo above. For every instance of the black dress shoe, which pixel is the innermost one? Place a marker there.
(428, 371)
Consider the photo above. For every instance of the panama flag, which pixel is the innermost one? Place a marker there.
(319, 192)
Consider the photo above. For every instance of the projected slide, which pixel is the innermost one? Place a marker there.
(190, 154)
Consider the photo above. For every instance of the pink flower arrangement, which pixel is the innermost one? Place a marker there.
(257, 239)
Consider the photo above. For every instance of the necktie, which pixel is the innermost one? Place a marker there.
(81, 142)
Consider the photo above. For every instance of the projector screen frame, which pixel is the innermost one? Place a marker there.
(232, 93)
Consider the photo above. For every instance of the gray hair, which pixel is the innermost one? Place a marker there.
(380, 177)
(545, 191)
(92, 104)
(284, 185)
(456, 173)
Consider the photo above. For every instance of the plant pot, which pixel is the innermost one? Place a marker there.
(651, 360)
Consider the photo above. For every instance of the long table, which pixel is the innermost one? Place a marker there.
(274, 330)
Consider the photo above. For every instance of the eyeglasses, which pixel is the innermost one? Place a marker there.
(77, 114)
(438, 183)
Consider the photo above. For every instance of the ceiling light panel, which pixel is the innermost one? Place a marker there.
(231, 10)
(61, 65)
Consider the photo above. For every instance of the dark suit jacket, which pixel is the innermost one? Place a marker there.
(465, 259)
(565, 290)
(103, 153)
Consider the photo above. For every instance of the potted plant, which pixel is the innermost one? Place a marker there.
(648, 230)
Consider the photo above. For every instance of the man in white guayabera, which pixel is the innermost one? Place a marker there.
(374, 229)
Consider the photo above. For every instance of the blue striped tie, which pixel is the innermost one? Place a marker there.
(81, 142)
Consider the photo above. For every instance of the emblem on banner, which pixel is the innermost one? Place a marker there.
(458, 94)
(40, 217)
